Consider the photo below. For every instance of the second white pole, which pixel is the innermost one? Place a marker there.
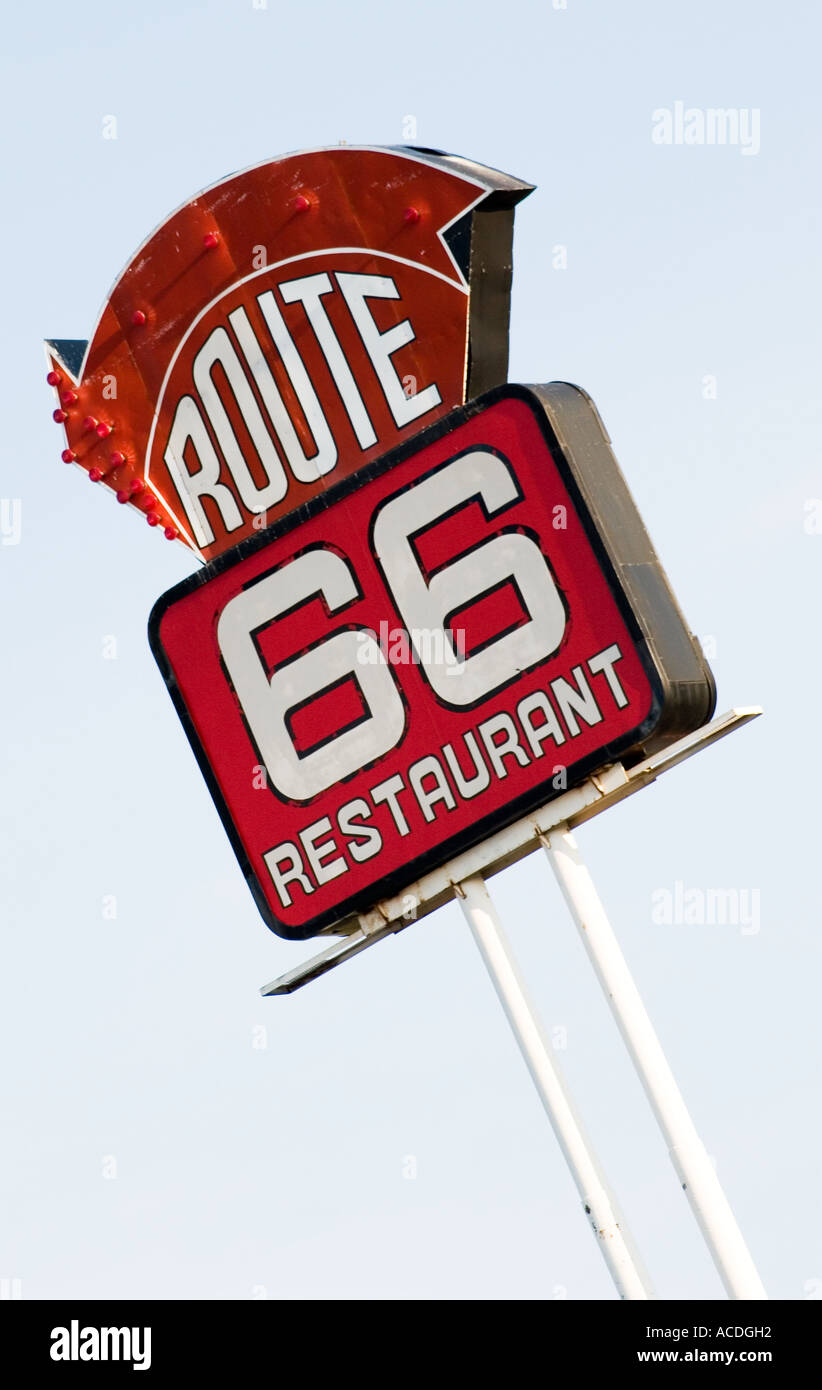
(486, 927)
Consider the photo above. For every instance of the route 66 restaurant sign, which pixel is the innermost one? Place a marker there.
(431, 633)
(429, 604)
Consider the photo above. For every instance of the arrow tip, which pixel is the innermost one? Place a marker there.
(70, 351)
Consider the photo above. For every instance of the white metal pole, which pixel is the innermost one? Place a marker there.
(696, 1173)
(486, 927)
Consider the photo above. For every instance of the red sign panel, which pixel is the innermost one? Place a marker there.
(286, 327)
(404, 666)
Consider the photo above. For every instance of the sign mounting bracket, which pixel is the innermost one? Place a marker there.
(596, 794)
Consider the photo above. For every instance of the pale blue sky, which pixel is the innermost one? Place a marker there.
(242, 1168)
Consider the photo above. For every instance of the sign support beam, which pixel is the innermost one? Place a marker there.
(691, 1162)
(595, 795)
(486, 928)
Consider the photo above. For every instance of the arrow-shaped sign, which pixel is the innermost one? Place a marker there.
(286, 327)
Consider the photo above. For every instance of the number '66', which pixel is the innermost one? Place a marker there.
(422, 605)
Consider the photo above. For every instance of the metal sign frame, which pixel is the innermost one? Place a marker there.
(596, 794)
